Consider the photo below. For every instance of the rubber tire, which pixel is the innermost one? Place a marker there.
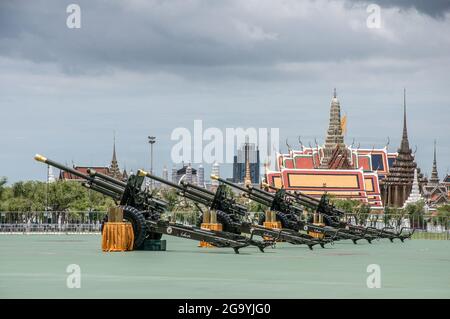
(261, 219)
(137, 220)
(227, 222)
(280, 217)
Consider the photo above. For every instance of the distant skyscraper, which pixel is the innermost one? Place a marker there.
(188, 177)
(174, 175)
(189, 173)
(165, 173)
(201, 176)
(50, 175)
(215, 171)
(239, 164)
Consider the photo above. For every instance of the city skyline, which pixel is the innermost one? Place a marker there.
(268, 64)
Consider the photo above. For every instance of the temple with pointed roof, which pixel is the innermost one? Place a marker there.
(341, 170)
(112, 170)
(397, 185)
(335, 153)
(435, 192)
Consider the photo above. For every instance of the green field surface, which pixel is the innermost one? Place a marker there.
(34, 266)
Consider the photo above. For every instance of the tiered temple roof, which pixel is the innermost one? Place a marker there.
(398, 182)
(402, 170)
(436, 193)
(335, 137)
(114, 169)
(434, 180)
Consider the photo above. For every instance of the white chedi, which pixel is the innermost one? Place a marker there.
(415, 195)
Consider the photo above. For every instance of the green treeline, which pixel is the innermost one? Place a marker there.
(33, 196)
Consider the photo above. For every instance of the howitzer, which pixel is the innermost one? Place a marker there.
(232, 214)
(288, 214)
(332, 217)
(290, 224)
(144, 211)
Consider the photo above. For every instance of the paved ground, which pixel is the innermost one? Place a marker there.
(34, 266)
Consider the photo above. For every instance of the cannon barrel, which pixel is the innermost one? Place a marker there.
(201, 189)
(102, 190)
(195, 198)
(88, 178)
(94, 173)
(141, 172)
(184, 188)
(248, 191)
(72, 171)
(305, 200)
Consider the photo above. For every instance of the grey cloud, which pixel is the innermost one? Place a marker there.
(433, 8)
(146, 67)
(210, 36)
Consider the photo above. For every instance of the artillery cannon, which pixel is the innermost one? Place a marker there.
(232, 214)
(333, 215)
(144, 211)
(288, 213)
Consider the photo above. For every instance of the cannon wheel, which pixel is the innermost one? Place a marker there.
(227, 222)
(137, 220)
(281, 217)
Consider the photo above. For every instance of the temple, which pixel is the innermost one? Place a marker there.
(415, 195)
(375, 177)
(435, 192)
(112, 170)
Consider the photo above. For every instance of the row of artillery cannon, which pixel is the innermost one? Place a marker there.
(285, 218)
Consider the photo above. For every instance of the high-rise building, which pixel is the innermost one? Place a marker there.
(189, 173)
(50, 175)
(174, 175)
(188, 177)
(247, 153)
(201, 176)
(215, 170)
(165, 174)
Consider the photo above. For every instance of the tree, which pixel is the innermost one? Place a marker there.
(32, 196)
(3, 181)
(415, 211)
(443, 215)
(170, 196)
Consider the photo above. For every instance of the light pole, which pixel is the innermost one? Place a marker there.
(151, 141)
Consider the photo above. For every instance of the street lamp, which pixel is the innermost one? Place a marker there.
(151, 141)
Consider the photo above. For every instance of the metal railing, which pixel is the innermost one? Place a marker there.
(51, 222)
(426, 227)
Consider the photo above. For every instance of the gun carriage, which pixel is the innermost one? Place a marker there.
(144, 211)
(232, 215)
(333, 216)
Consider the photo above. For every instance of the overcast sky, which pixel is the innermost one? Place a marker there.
(146, 67)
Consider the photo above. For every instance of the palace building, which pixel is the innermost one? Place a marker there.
(112, 170)
(375, 177)
(435, 192)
